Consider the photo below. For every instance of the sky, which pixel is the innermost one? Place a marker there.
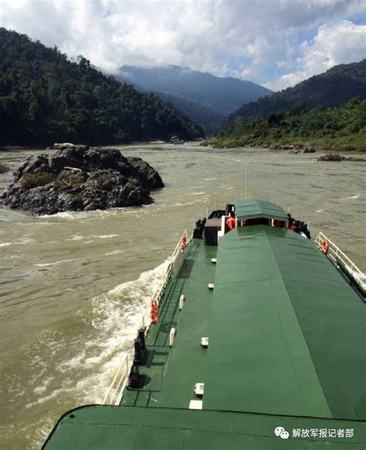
(276, 43)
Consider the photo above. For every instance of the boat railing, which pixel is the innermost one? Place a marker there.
(114, 393)
(338, 257)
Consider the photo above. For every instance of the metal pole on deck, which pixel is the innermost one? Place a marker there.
(246, 183)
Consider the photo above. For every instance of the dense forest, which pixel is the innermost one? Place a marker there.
(211, 121)
(342, 127)
(45, 98)
(333, 88)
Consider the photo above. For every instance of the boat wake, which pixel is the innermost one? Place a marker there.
(78, 369)
(116, 317)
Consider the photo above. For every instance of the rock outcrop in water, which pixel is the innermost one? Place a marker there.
(336, 157)
(78, 178)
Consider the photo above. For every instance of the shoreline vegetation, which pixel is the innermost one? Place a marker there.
(341, 128)
(42, 148)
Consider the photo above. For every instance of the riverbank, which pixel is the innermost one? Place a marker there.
(335, 129)
(347, 144)
(20, 148)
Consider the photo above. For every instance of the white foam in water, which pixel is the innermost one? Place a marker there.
(115, 318)
(126, 303)
(77, 237)
(80, 237)
(192, 202)
(24, 241)
(114, 252)
(55, 263)
(70, 215)
(352, 197)
(78, 370)
(77, 215)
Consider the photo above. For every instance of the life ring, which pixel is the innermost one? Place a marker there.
(325, 246)
(154, 312)
(184, 242)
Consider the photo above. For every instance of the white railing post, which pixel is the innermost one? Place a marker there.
(338, 256)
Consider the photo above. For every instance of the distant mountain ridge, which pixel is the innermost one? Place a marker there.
(207, 118)
(333, 88)
(201, 96)
(45, 98)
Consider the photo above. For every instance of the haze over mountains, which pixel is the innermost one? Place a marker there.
(205, 98)
(333, 88)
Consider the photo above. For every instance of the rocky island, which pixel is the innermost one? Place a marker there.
(80, 178)
(336, 157)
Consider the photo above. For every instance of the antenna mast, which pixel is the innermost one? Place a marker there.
(246, 183)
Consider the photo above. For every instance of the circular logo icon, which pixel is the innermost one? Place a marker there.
(284, 434)
(281, 432)
(278, 431)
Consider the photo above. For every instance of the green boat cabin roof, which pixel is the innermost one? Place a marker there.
(251, 209)
(287, 332)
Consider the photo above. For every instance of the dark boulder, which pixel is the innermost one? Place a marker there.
(332, 157)
(309, 150)
(149, 174)
(337, 158)
(80, 178)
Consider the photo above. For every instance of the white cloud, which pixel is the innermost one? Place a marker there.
(247, 38)
(338, 43)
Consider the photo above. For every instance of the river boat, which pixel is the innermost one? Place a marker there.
(255, 340)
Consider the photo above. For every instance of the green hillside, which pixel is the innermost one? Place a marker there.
(210, 120)
(45, 98)
(341, 128)
(333, 88)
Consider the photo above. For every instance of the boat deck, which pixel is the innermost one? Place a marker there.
(264, 316)
(286, 348)
(172, 373)
(166, 429)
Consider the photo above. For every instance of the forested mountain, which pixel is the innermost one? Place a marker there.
(203, 97)
(342, 127)
(333, 88)
(210, 120)
(46, 98)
